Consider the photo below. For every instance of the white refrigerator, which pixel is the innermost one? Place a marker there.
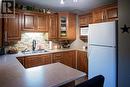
(102, 52)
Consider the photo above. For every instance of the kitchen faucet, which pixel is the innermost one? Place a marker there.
(33, 45)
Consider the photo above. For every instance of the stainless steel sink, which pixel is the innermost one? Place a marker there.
(34, 52)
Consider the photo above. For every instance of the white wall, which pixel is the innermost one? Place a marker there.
(78, 44)
(124, 45)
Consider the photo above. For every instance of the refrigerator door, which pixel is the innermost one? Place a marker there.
(102, 34)
(102, 61)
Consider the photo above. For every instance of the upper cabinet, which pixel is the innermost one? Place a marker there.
(43, 22)
(37, 22)
(53, 30)
(105, 13)
(62, 26)
(100, 14)
(1, 32)
(67, 26)
(84, 20)
(28, 22)
(12, 28)
(112, 12)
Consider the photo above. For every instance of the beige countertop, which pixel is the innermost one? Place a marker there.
(20, 54)
(13, 74)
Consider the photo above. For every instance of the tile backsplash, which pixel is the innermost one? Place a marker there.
(28, 37)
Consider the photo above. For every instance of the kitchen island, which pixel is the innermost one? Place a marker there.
(13, 74)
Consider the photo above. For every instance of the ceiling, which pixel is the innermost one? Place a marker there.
(82, 6)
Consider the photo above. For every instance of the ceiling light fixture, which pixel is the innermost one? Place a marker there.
(62, 2)
(75, 0)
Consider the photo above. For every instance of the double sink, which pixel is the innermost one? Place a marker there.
(34, 52)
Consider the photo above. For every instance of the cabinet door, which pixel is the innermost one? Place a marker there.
(1, 32)
(82, 20)
(32, 61)
(99, 15)
(70, 58)
(63, 25)
(46, 59)
(71, 32)
(53, 30)
(28, 22)
(82, 61)
(57, 57)
(13, 28)
(42, 23)
(112, 13)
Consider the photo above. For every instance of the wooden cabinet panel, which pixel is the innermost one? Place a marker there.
(53, 30)
(86, 19)
(82, 20)
(71, 32)
(67, 26)
(1, 32)
(99, 15)
(82, 61)
(21, 60)
(70, 58)
(28, 22)
(43, 22)
(112, 13)
(57, 57)
(32, 61)
(12, 27)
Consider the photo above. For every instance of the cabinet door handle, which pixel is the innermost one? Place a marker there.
(6, 33)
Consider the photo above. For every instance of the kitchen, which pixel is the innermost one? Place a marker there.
(41, 36)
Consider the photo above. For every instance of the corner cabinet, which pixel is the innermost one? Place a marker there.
(67, 26)
(12, 28)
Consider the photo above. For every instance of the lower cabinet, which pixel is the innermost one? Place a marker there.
(32, 61)
(82, 61)
(70, 58)
(74, 59)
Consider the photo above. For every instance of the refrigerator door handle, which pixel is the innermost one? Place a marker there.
(102, 45)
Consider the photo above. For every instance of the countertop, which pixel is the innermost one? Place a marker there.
(20, 54)
(13, 74)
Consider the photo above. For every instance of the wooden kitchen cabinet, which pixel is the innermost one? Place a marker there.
(99, 15)
(1, 24)
(70, 58)
(85, 20)
(29, 22)
(82, 61)
(42, 22)
(21, 60)
(58, 57)
(12, 28)
(67, 26)
(32, 61)
(105, 13)
(112, 12)
(53, 30)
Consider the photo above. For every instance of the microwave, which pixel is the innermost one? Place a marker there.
(84, 31)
